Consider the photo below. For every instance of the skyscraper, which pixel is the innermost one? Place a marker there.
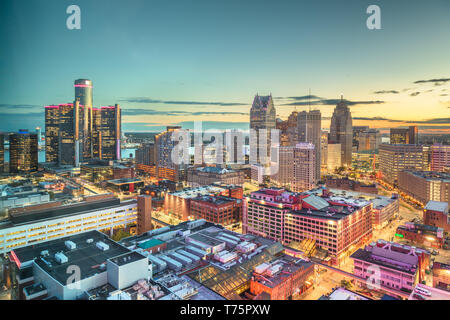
(166, 168)
(404, 135)
(297, 167)
(2, 152)
(83, 93)
(262, 116)
(309, 130)
(96, 133)
(23, 150)
(68, 134)
(110, 132)
(341, 131)
(52, 134)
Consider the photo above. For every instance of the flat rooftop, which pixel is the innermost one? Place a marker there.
(368, 256)
(126, 258)
(345, 294)
(190, 193)
(72, 209)
(437, 206)
(124, 181)
(86, 256)
(431, 175)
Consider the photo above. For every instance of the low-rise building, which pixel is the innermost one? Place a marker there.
(217, 209)
(201, 176)
(441, 274)
(391, 265)
(428, 236)
(436, 214)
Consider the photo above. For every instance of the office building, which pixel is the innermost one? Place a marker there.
(217, 209)
(394, 158)
(341, 131)
(440, 158)
(83, 94)
(38, 226)
(423, 186)
(404, 135)
(23, 152)
(52, 133)
(333, 223)
(309, 130)
(324, 150)
(166, 167)
(441, 274)
(262, 117)
(334, 156)
(2, 152)
(296, 167)
(366, 139)
(111, 129)
(146, 154)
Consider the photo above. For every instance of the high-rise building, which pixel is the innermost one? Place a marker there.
(97, 133)
(110, 132)
(23, 150)
(324, 150)
(296, 167)
(334, 156)
(395, 158)
(146, 154)
(52, 134)
(83, 93)
(68, 150)
(166, 168)
(341, 131)
(366, 139)
(2, 152)
(404, 135)
(309, 130)
(440, 157)
(262, 117)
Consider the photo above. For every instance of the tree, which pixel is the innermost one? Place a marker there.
(120, 234)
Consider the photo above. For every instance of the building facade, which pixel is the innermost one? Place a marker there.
(341, 131)
(423, 186)
(309, 127)
(23, 150)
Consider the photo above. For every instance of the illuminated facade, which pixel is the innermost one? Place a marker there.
(52, 133)
(2, 153)
(334, 223)
(309, 130)
(23, 149)
(110, 132)
(404, 135)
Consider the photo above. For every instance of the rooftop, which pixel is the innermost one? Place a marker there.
(86, 255)
(72, 209)
(437, 206)
(431, 175)
(124, 181)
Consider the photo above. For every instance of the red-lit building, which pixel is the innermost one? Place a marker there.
(217, 209)
(435, 214)
(281, 279)
(334, 223)
(428, 236)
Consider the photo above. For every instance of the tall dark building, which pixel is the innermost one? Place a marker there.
(110, 132)
(23, 152)
(97, 133)
(146, 154)
(341, 131)
(408, 135)
(262, 116)
(52, 134)
(67, 150)
(309, 128)
(2, 152)
(83, 93)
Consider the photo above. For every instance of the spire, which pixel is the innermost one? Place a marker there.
(342, 97)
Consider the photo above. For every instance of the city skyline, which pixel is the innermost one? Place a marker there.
(162, 76)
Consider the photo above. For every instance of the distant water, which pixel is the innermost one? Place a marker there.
(125, 153)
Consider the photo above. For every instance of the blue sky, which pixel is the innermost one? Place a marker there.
(180, 61)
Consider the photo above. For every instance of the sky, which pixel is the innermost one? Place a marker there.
(174, 62)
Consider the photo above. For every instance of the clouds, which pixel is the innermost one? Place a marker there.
(319, 101)
(428, 121)
(142, 112)
(386, 92)
(6, 106)
(436, 82)
(201, 103)
(414, 94)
